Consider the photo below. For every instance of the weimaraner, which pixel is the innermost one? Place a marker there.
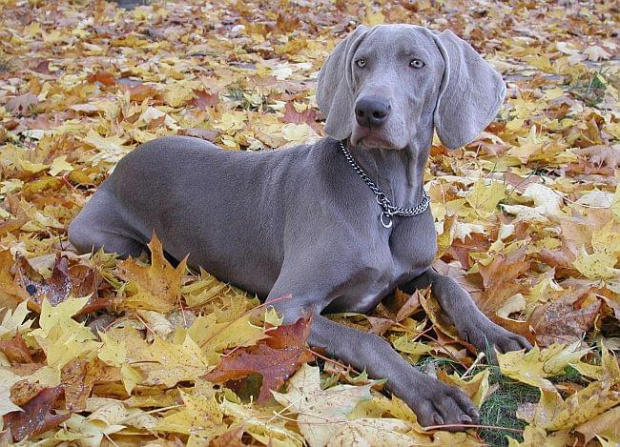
(338, 224)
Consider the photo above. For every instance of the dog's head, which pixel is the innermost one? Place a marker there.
(387, 86)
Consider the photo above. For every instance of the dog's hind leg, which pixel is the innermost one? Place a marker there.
(100, 225)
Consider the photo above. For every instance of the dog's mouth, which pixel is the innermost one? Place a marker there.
(370, 138)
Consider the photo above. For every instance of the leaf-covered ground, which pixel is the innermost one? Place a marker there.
(97, 351)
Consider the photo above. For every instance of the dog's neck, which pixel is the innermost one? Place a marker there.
(399, 173)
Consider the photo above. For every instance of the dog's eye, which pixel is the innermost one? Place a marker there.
(416, 63)
(361, 63)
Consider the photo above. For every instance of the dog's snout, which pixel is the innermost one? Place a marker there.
(371, 112)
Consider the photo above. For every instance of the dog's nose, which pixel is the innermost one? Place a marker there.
(371, 112)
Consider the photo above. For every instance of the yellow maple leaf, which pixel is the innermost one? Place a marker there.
(214, 337)
(112, 352)
(60, 336)
(372, 18)
(59, 165)
(605, 425)
(32, 167)
(485, 195)
(15, 320)
(554, 413)
(158, 286)
(414, 349)
(200, 417)
(321, 413)
(477, 388)
(534, 367)
(537, 437)
(598, 265)
(176, 95)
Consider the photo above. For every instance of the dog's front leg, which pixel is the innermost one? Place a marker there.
(472, 325)
(434, 402)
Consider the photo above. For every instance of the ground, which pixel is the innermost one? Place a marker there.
(96, 350)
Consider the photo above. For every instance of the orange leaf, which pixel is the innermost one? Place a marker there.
(36, 417)
(78, 378)
(11, 293)
(16, 350)
(159, 285)
(103, 78)
(275, 358)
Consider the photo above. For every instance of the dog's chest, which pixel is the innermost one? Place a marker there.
(401, 254)
(413, 243)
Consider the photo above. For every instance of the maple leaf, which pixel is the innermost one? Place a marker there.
(498, 278)
(22, 104)
(563, 320)
(78, 378)
(261, 424)
(102, 77)
(292, 115)
(203, 99)
(274, 358)
(554, 413)
(477, 388)
(485, 196)
(11, 293)
(604, 425)
(536, 436)
(66, 280)
(321, 413)
(201, 417)
(15, 321)
(535, 366)
(16, 350)
(602, 154)
(158, 285)
(36, 417)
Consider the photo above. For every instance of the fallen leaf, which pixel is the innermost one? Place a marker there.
(536, 437)
(485, 196)
(158, 285)
(22, 104)
(321, 413)
(275, 358)
(36, 417)
(604, 425)
(534, 367)
(563, 320)
(16, 350)
(11, 293)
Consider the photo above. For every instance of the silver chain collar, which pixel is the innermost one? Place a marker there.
(389, 210)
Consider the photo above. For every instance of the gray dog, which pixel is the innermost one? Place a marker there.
(338, 224)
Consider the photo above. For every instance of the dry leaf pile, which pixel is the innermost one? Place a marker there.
(97, 351)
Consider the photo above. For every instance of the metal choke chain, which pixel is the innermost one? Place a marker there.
(389, 210)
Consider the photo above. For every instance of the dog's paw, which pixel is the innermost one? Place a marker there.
(488, 337)
(436, 403)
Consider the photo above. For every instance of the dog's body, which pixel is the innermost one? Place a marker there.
(301, 221)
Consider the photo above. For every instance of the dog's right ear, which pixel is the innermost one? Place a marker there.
(334, 91)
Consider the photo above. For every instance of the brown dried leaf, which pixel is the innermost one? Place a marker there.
(564, 320)
(22, 104)
(78, 378)
(16, 349)
(275, 358)
(11, 293)
(36, 417)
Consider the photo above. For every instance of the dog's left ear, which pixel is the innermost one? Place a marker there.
(470, 95)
